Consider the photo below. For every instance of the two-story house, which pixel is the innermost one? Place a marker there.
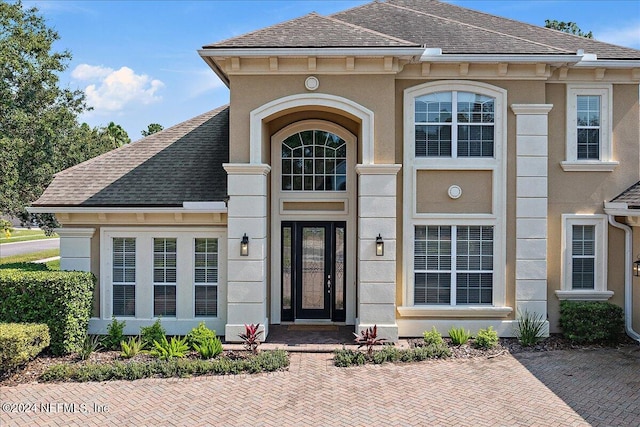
(404, 163)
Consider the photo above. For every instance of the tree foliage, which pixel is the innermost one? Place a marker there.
(151, 129)
(567, 27)
(39, 131)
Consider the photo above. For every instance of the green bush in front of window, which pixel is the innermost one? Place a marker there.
(60, 299)
(432, 337)
(115, 335)
(486, 338)
(586, 322)
(459, 336)
(153, 333)
(199, 335)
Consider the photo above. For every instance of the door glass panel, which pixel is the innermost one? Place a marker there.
(339, 269)
(313, 253)
(286, 268)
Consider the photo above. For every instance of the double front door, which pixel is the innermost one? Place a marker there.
(313, 271)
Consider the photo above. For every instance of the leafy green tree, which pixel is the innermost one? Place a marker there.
(39, 131)
(152, 128)
(117, 135)
(567, 27)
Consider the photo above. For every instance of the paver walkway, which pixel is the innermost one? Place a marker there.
(560, 388)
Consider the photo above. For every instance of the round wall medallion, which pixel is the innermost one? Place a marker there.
(312, 83)
(455, 191)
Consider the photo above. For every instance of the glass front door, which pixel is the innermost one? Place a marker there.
(313, 271)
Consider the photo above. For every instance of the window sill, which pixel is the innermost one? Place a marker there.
(588, 166)
(584, 295)
(449, 311)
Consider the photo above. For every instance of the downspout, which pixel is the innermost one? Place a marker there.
(628, 257)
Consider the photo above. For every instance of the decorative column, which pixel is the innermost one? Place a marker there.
(531, 207)
(246, 275)
(377, 215)
(75, 248)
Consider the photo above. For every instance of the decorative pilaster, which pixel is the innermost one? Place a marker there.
(377, 215)
(246, 275)
(531, 207)
(75, 248)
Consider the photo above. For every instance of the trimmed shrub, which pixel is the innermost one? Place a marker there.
(20, 343)
(591, 321)
(200, 335)
(60, 299)
(486, 338)
(153, 333)
(433, 337)
(115, 335)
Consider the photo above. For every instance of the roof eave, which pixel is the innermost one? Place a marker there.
(311, 51)
(187, 207)
(558, 59)
(216, 69)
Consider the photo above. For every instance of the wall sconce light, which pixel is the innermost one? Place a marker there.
(379, 245)
(244, 245)
(636, 267)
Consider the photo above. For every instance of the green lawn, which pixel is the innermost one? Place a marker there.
(33, 256)
(24, 235)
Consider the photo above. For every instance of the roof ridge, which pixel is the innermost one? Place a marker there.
(368, 30)
(153, 136)
(477, 27)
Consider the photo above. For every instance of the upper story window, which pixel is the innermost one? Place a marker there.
(589, 133)
(454, 124)
(314, 160)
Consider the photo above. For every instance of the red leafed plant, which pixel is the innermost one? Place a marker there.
(251, 336)
(369, 337)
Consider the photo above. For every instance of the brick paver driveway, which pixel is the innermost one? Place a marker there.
(560, 388)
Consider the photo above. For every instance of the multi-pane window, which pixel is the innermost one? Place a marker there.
(588, 127)
(164, 276)
(583, 255)
(314, 160)
(454, 124)
(124, 276)
(453, 265)
(206, 277)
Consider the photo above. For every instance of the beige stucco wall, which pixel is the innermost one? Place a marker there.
(585, 192)
(375, 92)
(432, 191)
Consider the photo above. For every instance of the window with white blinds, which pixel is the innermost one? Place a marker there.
(123, 276)
(206, 277)
(164, 277)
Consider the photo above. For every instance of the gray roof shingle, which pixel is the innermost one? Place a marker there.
(180, 164)
(312, 30)
(630, 196)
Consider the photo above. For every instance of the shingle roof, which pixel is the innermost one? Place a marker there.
(430, 23)
(181, 163)
(312, 30)
(630, 196)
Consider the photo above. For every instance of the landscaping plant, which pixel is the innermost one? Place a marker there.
(486, 338)
(459, 336)
(90, 344)
(165, 349)
(21, 342)
(131, 348)
(115, 335)
(529, 328)
(153, 333)
(199, 335)
(369, 338)
(432, 337)
(591, 321)
(209, 348)
(251, 336)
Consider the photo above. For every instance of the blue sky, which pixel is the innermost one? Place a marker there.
(137, 60)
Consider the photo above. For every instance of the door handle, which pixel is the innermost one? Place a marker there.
(329, 283)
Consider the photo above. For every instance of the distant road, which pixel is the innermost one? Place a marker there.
(19, 248)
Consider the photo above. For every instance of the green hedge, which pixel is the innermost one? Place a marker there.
(591, 321)
(20, 342)
(60, 299)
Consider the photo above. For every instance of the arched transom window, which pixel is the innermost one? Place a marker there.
(314, 160)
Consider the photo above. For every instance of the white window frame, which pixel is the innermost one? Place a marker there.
(164, 268)
(606, 163)
(600, 291)
(196, 284)
(112, 283)
(185, 292)
(495, 218)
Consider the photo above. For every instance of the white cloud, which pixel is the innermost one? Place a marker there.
(622, 36)
(112, 90)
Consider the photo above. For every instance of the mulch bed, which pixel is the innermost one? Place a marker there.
(32, 371)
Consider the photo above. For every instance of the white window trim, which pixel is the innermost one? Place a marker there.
(496, 218)
(185, 289)
(164, 268)
(600, 291)
(195, 284)
(606, 163)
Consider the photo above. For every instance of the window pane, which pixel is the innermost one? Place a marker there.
(474, 288)
(206, 301)
(583, 249)
(124, 300)
(164, 260)
(583, 273)
(588, 127)
(164, 300)
(432, 288)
